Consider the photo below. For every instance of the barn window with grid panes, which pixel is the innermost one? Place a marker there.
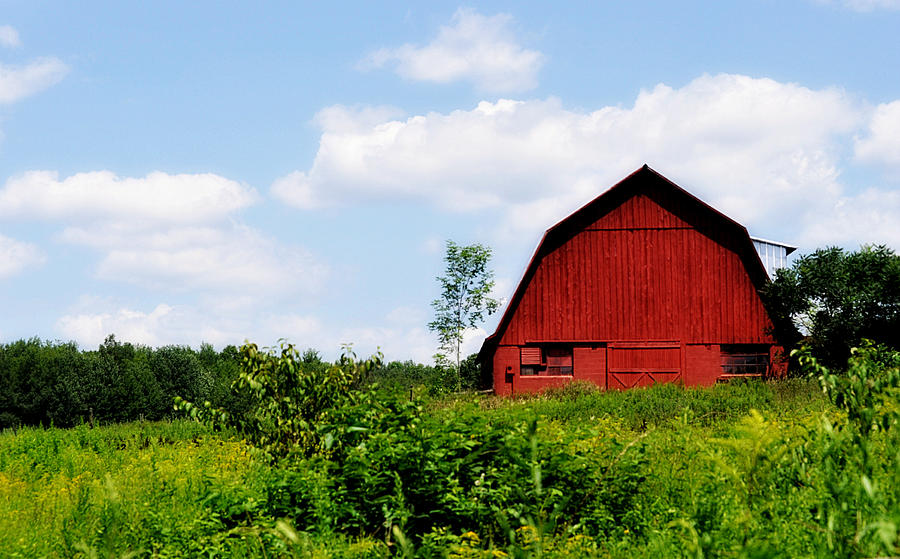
(745, 360)
(548, 361)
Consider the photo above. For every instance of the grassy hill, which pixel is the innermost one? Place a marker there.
(728, 471)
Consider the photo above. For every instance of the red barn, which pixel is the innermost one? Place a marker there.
(644, 284)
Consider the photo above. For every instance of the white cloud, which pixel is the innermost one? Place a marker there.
(157, 198)
(473, 338)
(755, 148)
(18, 82)
(90, 329)
(16, 256)
(882, 144)
(432, 245)
(395, 342)
(474, 47)
(9, 37)
(405, 336)
(95, 318)
(502, 291)
(870, 217)
(231, 258)
(228, 258)
(162, 231)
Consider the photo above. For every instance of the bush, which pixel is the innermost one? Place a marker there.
(289, 399)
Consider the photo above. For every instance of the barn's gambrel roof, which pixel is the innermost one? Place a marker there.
(645, 180)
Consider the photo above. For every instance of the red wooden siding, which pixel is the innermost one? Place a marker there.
(590, 364)
(644, 285)
(643, 364)
(651, 357)
(640, 284)
(640, 212)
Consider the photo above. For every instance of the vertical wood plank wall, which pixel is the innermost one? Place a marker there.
(640, 273)
(656, 267)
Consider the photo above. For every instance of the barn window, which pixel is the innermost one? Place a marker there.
(559, 361)
(548, 361)
(745, 360)
(532, 361)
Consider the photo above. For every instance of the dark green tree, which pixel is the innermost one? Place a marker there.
(465, 297)
(838, 298)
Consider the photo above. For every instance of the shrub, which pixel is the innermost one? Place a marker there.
(289, 400)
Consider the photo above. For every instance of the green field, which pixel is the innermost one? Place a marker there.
(744, 470)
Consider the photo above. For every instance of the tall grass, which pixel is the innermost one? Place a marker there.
(166, 489)
(740, 470)
(656, 406)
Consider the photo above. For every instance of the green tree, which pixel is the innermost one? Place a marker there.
(838, 298)
(465, 297)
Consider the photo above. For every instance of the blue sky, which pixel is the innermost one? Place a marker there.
(182, 172)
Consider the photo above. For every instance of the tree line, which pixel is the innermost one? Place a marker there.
(56, 383)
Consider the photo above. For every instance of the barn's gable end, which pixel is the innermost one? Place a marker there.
(645, 262)
(641, 210)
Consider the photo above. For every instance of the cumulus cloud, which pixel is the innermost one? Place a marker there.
(9, 37)
(755, 148)
(162, 231)
(94, 318)
(474, 47)
(15, 256)
(869, 217)
(394, 341)
(147, 328)
(230, 257)
(18, 82)
(157, 198)
(882, 143)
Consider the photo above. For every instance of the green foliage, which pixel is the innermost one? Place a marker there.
(755, 469)
(472, 376)
(465, 297)
(857, 515)
(148, 489)
(839, 298)
(44, 383)
(405, 378)
(291, 397)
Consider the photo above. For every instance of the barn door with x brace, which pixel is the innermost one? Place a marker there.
(633, 364)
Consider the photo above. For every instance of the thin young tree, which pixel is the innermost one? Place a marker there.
(465, 297)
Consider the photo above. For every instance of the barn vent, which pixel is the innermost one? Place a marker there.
(531, 356)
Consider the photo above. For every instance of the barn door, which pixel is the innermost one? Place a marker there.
(643, 364)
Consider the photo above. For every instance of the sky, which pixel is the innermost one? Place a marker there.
(187, 172)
